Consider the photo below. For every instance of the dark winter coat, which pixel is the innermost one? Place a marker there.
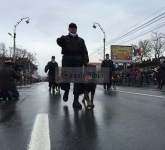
(108, 64)
(107, 68)
(7, 78)
(162, 70)
(74, 49)
(52, 68)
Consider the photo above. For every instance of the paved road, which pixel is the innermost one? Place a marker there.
(127, 119)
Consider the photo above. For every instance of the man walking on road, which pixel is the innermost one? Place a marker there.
(52, 68)
(107, 68)
(75, 55)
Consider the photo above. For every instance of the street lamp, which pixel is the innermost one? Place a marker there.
(14, 33)
(94, 26)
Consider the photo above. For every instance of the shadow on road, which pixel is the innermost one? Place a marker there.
(54, 97)
(7, 109)
(79, 129)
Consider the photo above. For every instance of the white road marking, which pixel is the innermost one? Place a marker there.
(40, 139)
(141, 94)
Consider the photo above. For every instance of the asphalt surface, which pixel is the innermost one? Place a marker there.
(126, 119)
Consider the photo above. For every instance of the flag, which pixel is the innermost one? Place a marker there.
(134, 51)
(139, 52)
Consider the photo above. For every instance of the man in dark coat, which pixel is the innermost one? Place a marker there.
(107, 67)
(7, 81)
(162, 72)
(75, 55)
(52, 69)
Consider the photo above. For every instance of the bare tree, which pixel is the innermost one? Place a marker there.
(3, 50)
(24, 53)
(158, 43)
(21, 53)
(145, 47)
(32, 57)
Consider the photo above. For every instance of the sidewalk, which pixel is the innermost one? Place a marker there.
(151, 87)
(23, 86)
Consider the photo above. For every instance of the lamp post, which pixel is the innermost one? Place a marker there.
(94, 26)
(14, 34)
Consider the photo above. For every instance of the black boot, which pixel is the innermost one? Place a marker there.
(53, 90)
(65, 96)
(49, 89)
(76, 103)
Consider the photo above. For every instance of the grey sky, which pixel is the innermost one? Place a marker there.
(50, 19)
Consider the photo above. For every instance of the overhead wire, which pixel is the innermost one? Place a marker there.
(150, 30)
(145, 18)
(140, 27)
(146, 24)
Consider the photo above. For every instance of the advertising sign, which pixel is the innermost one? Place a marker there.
(121, 53)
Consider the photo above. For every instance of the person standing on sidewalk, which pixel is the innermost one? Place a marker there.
(162, 72)
(52, 68)
(75, 55)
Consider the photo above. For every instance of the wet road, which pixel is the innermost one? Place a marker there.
(127, 119)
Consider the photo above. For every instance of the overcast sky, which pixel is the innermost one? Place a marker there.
(49, 20)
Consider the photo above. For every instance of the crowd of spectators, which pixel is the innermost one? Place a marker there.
(139, 74)
(137, 77)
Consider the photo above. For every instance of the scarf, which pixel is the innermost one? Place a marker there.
(73, 34)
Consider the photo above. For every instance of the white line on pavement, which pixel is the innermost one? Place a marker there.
(40, 139)
(142, 94)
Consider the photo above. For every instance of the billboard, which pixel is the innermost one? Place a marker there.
(121, 53)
